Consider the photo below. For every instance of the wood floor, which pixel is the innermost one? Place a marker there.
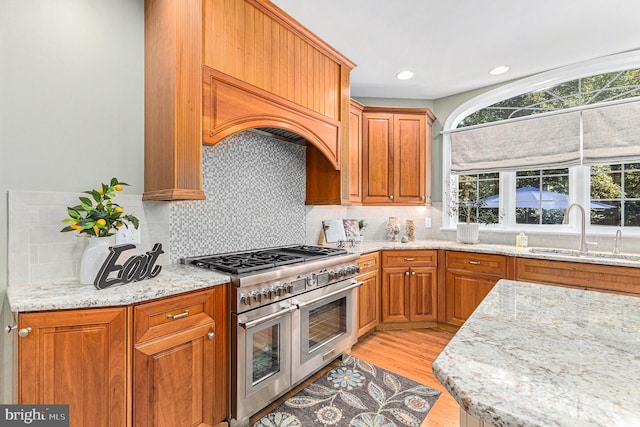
(408, 353)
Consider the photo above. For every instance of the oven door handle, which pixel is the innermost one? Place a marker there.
(253, 323)
(329, 295)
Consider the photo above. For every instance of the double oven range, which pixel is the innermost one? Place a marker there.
(293, 311)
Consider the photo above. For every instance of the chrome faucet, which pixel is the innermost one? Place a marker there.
(584, 245)
(616, 241)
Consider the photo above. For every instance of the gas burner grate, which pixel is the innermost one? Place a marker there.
(314, 251)
(248, 262)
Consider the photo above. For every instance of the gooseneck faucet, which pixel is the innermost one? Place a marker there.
(616, 241)
(583, 238)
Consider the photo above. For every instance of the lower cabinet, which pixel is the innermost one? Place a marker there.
(595, 277)
(369, 293)
(176, 373)
(409, 286)
(79, 358)
(469, 277)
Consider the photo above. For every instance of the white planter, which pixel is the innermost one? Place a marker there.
(468, 233)
(93, 257)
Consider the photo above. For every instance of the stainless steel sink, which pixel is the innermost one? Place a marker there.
(574, 253)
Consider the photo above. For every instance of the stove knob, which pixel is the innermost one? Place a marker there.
(312, 279)
(245, 299)
(357, 269)
(289, 288)
(341, 272)
(273, 292)
(354, 269)
(332, 275)
(257, 296)
(281, 290)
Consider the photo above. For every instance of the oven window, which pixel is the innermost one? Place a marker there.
(327, 322)
(266, 353)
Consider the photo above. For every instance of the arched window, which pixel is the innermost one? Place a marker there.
(530, 148)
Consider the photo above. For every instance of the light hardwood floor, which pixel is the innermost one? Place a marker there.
(408, 353)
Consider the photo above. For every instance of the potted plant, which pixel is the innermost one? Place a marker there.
(99, 222)
(465, 206)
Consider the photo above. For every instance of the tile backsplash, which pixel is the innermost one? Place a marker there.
(38, 251)
(255, 194)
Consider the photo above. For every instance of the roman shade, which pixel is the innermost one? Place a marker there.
(612, 134)
(535, 142)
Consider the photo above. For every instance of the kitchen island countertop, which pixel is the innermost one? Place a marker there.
(536, 355)
(59, 295)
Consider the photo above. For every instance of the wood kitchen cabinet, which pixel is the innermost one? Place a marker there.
(327, 186)
(396, 155)
(409, 286)
(180, 360)
(469, 277)
(154, 363)
(79, 358)
(596, 277)
(369, 293)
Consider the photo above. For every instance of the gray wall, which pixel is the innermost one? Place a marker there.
(71, 85)
(71, 101)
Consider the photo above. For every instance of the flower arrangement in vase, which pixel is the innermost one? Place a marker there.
(97, 216)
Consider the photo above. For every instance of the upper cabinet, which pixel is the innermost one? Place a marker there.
(396, 156)
(217, 67)
(387, 160)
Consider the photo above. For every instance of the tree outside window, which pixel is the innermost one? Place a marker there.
(617, 186)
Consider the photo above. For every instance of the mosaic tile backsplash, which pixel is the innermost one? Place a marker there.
(255, 189)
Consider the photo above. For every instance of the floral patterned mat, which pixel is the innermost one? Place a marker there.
(355, 393)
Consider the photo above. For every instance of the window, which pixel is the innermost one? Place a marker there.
(482, 191)
(615, 195)
(536, 197)
(542, 196)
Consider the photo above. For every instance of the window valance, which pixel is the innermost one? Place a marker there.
(612, 134)
(541, 142)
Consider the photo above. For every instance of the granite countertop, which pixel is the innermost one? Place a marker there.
(536, 355)
(625, 260)
(58, 295)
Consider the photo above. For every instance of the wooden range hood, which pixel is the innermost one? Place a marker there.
(217, 67)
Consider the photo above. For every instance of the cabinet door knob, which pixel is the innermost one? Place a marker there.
(391, 196)
(211, 335)
(413, 273)
(406, 273)
(24, 332)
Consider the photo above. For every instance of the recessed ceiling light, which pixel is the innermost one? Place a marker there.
(404, 75)
(500, 69)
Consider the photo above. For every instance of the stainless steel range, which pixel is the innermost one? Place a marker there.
(293, 311)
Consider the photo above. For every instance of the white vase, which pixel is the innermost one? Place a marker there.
(468, 233)
(95, 252)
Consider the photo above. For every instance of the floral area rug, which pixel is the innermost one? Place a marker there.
(355, 393)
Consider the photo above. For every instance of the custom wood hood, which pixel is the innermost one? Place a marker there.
(217, 67)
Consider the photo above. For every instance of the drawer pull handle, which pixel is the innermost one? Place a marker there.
(178, 316)
(474, 262)
(367, 264)
(409, 259)
(211, 335)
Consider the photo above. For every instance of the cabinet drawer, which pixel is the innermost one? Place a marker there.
(482, 263)
(369, 262)
(607, 278)
(155, 319)
(402, 258)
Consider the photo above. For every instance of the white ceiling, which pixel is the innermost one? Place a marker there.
(451, 44)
